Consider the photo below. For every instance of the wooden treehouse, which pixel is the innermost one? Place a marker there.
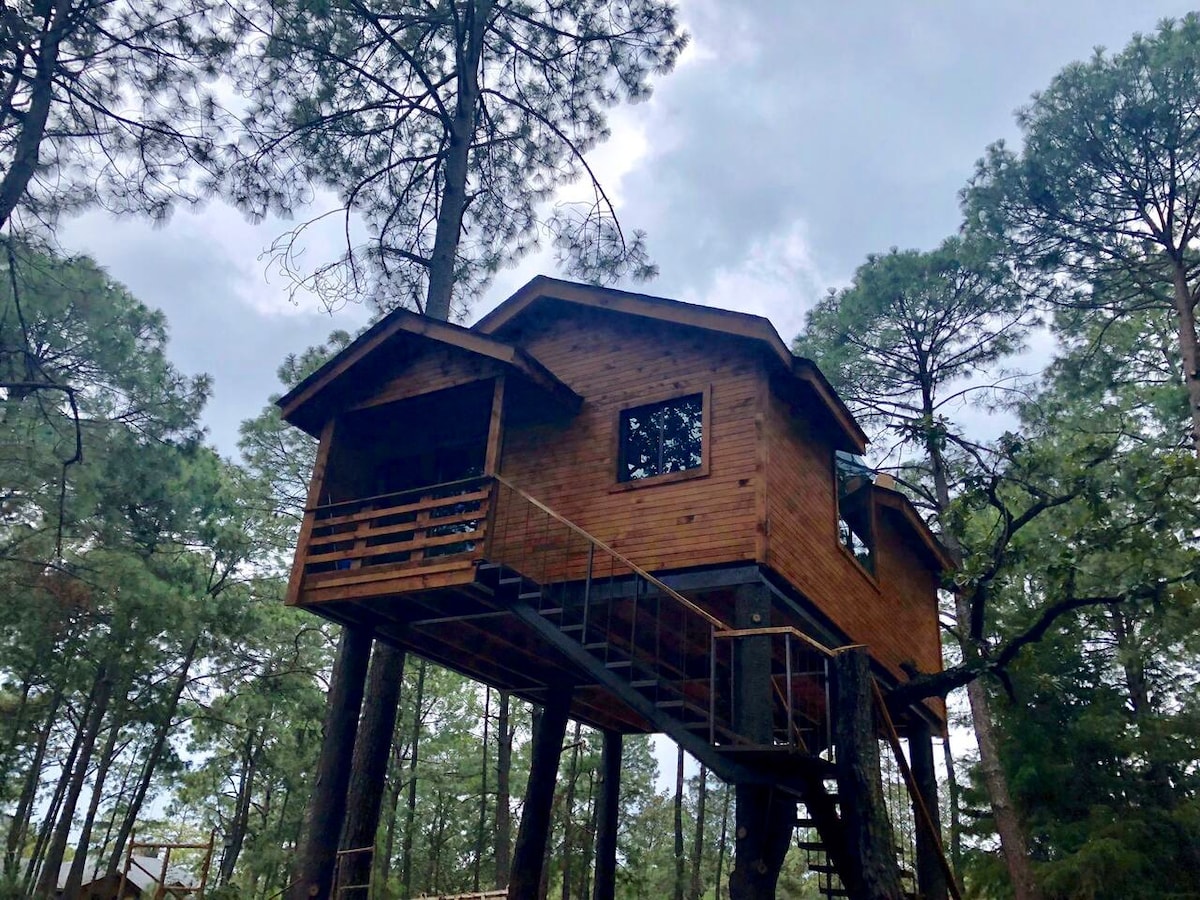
(647, 512)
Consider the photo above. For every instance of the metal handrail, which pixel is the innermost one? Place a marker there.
(624, 560)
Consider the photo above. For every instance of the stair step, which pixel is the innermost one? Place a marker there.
(805, 823)
(674, 704)
(570, 628)
(642, 683)
(601, 645)
(548, 611)
(511, 579)
(812, 846)
(533, 595)
(825, 868)
(619, 664)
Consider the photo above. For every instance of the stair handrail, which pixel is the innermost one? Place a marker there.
(718, 625)
(779, 629)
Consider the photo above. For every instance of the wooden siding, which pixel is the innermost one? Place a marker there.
(895, 613)
(436, 369)
(616, 362)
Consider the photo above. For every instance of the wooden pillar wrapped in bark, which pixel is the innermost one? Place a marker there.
(372, 750)
(530, 852)
(312, 875)
(764, 817)
(931, 875)
(872, 873)
(604, 884)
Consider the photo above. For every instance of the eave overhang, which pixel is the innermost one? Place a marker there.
(401, 334)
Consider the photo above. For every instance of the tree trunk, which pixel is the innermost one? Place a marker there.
(25, 803)
(410, 814)
(1009, 828)
(24, 162)
(679, 860)
(589, 839)
(153, 756)
(503, 792)
(79, 863)
(60, 790)
(368, 770)
(102, 693)
(568, 818)
(931, 879)
(1189, 347)
(698, 844)
(721, 846)
(530, 852)
(874, 874)
(604, 883)
(316, 851)
(236, 835)
(453, 198)
(952, 802)
(481, 828)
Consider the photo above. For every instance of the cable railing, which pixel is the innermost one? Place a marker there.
(677, 653)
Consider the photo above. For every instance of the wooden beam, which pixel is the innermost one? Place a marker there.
(495, 438)
(608, 806)
(292, 598)
(529, 854)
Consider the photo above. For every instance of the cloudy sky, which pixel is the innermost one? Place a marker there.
(793, 139)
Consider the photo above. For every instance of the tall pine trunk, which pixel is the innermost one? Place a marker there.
(481, 829)
(1189, 345)
(721, 844)
(162, 730)
(679, 860)
(410, 813)
(107, 753)
(504, 742)
(1009, 828)
(568, 814)
(698, 844)
(19, 826)
(57, 849)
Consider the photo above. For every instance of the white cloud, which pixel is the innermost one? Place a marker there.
(777, 278)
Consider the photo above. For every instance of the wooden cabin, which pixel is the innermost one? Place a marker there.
(623, 493)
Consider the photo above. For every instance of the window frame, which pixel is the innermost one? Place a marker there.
(872, 543)
(618, 448)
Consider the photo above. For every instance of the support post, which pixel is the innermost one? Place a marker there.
(604, 883)
(368, 770)
(873, 873)
(931, 876)
(316, 854)
(764, 817)
(530, 851)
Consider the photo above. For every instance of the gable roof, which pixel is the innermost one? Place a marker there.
(400, 333)
(542, 290)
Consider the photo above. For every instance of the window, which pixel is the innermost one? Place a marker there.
(661, 438)
(855, 525)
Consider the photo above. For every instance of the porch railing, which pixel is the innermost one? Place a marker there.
(408, 527)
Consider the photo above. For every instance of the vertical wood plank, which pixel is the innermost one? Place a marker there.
(306, 524)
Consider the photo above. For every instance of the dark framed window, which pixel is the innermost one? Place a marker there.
(662, 438)
(856, 525)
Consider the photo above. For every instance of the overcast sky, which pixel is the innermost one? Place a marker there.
(793, 139)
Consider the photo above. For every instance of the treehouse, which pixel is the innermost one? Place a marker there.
(651, 502)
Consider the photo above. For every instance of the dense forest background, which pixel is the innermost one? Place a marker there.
(153, 684)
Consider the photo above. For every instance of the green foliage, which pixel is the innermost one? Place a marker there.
(408, 111)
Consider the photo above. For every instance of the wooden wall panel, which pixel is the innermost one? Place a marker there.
(433, 370)
(895, 613)
(615, 363)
